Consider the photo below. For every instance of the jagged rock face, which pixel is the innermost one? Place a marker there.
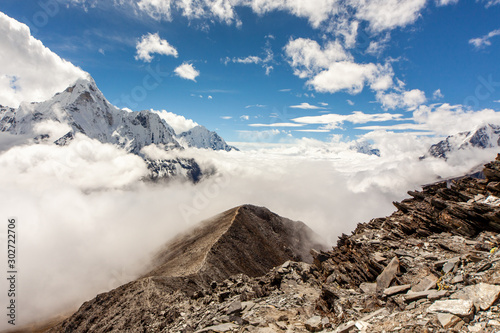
(485, 137)
(246, 239)
(200, 137)
(165, 170)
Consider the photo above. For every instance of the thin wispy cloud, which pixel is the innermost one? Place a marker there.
(306, 106)
(484, 41)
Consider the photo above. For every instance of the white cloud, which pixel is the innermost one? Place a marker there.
(187, 71)
(177, 122)
(306, 106)
(308, 58)
(210, 97)
(485, 40)
(351, 103)
(264, 61)
(255, 106)
(150, 44)
(285, 90)
(446, 119)
(446, 2)
(334, 120)
(313, 130)
(497, 101)
(29, 71)
(331, 69)
(376, 47)
(490, 3)
(407, 99)
(388, 14)
(226, 117)
(437, 94)
(397, 127)
(245, 117)
(323, 104)
(277, 125)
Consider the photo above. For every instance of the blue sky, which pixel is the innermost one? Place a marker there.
(280, 70)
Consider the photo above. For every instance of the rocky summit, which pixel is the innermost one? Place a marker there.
(432, 266)
(245, 240)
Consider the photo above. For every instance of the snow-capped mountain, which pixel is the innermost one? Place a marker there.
(84, 108)
(365, 147)
(200, 137)
(487, 136)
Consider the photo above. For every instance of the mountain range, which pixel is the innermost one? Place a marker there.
(487, 136)
(83, 109)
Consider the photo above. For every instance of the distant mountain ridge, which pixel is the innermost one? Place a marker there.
(487, 136)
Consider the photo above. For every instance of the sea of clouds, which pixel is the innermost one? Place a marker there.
(87, 222)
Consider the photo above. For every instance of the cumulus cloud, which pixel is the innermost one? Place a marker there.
(484, 41)
(29, 71)
(187, 71)
(177, 122)
(334, 120)
(388, 14)
(150, 44)
(332, 69)
(446, 119)
(405, 99)
(306, 106)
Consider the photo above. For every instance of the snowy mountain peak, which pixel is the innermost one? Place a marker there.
(201, 137)
(486, 136)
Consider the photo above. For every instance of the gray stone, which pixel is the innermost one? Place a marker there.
(429, 282)
(396, 289)
(449, 266)
(314, 324)
(437, 295)
(344, 328)
(458, 307)
(388, 274)
(368, 288)
(234, 307)
(411, 296)
(483, 295)
(378, 257)
(457, 279)
(448, 320)
(219, 328)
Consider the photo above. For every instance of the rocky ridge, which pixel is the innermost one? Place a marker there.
(432, 266)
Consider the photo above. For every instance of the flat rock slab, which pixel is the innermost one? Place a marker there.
(396, 289)
(458, 307)
(218, 328)
(434, 295)
(411, 296)
(429, 282)
(448, 320)
(482, 294)
(388, 274)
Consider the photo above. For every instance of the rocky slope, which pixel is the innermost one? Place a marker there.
(487, 136)
(245, 240)
(432, 266)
